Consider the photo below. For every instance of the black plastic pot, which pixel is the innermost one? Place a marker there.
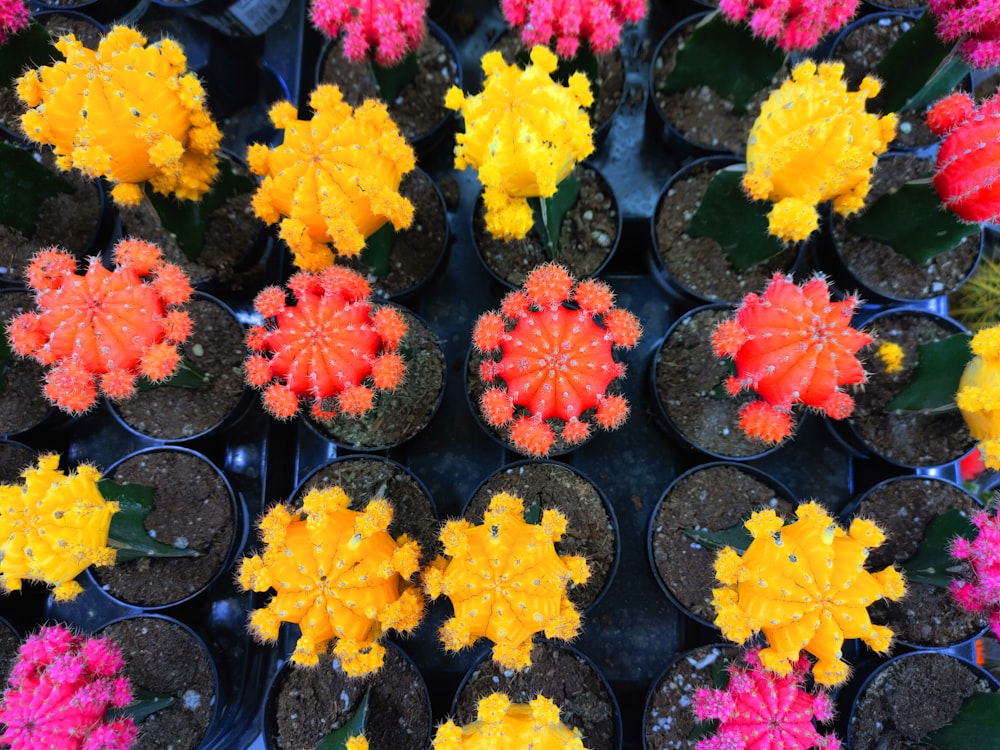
(104, 11)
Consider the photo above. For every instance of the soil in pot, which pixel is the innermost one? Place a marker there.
(590, 530)
(587, 238)
(22, 400)
(310, 702)
(15, 458)
(193, 509)
(903, 508)
(716, 497)
(10, 644)
(215, 347)
(557, 672)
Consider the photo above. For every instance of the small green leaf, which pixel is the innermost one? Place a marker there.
(144, 703)
(337, 739)
(533, 513)
(736, 537)
(934, 382)
(975, 726)
(378, 247)
(128, 535)
(549, 212)
(728, 59)
(187, 375)
(392, 80)
(31, 47)
(24, 183)
(932, 563)
(914, 222)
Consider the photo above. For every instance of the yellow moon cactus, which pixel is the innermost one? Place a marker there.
(128, 112)
(524, 134)
(804, 586)
(334, 180)
(338, 574)
(503, 725)
(54, 526)
(978, 395)
(812, 142)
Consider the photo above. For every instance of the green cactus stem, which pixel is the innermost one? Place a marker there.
(550, 212)
(128, 535)
(337, 739)
(933, 563)
(975, 726)
(935, 380)
(378, 248)
(393, 79)
(145, 703)
(28, 47)
(736, 537)
(24, 183)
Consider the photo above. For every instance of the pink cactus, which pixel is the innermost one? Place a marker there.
(791, 345)
(975, 23)
(568, 21)
(13, 18)
(389, 29)
(760, 710)
(60, 692)
(982, 592)
(556, 360)
(791, 24)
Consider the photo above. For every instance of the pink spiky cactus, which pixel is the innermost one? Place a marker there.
(331, 346)
(981, 592)
(791, 345)
(60, 693)
(598, 22)
(975, 24)
(968, 159)
(386, 29)
(556, 360)
(13, 18)
(760, 709)
(791, 24)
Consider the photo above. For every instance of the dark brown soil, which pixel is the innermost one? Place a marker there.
(557, 673)
(903, 508)
(909, 438)
(22, 401)
(14, 458)
(590, 528)
(310, 702)
(10, 644)
(164, 658)
(193, 509)
(587, 239)
(712, 498)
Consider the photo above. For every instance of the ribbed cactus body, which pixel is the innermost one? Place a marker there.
(385, 30)
(790, 24)
(978, 396)
(503, 725)
(975, 24)
(568, 22)
(979, 589)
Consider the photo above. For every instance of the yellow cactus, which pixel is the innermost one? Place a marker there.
(357, 742)
(128, 112)
(506, 581)
(55, 525)
(978, 395)
(334, 180)
(891, 354)
(804, 586)
(503, 725)
(338, 574)
(524, 134)
(812, 142)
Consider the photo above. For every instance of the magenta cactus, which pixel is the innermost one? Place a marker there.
(60, 692)
(598, 22)
(975, 24)
(760, 709)
(790, 24)
(980, 593)
(387, 29)
(13, 18)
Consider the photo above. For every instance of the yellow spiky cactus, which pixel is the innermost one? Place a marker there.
(524, 134)
(804, 586)
(812, 142)
(504, 725)
(506, 581)
(338, 574)
(128, 112)
(53, 526)
(978, 395)
(334, 180)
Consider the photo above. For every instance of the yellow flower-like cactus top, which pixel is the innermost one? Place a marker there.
(506, 581)
(804, 586)
(338, 574)
(812, 142)
(54, 526)
(503, 725)
(978, 395)
(334, 180)
(128, 112)
(524, 133)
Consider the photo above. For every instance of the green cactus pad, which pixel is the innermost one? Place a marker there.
(337, 739)
(934, 383)
(549, 212)
(932, 562)
(975, 726)
(128, 535)
(24, 183)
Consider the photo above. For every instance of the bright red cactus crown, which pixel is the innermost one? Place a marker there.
(968, 160)
(332, 346)
(60, 691)
(976, 23)
(760, 709)
(568, 21)
(791, 24)
(388, 29)
(980, 591)
(556, 359)
(791, 345)
(102, 330)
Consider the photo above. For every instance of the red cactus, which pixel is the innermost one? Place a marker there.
(103, 329)
(968, 159)
(388, 29)
(568, 21)
(60, 691)
(556, 360)
(791, 345)
(791, 24)
(976, 23)
(331, 346)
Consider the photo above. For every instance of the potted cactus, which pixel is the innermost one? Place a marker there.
(504, 723)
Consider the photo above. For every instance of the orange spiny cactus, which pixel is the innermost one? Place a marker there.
(503, 725)
(334, 180)
(338, 574)
(128, 112)
(506, 581)
(104, 329)
(556, 359)
(331, 346)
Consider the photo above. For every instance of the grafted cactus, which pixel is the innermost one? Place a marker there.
(568, 22)
(978, 396)
(13, 17)
(386, 30)
(979, 591)
(503, 725)
(975, 24)
(790, 24)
